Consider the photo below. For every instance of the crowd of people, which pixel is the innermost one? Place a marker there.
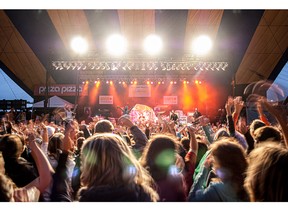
(160, 160)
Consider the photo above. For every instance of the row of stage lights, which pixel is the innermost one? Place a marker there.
(117, 45)
(139, 66)
(135, 82)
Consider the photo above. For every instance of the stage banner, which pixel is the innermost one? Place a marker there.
(139, 91)
(60, 90)
(170, 100)
(105, 99)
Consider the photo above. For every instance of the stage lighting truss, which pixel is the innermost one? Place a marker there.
(143, 70)
(139, 65)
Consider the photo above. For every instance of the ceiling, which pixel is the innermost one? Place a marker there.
(253, 42)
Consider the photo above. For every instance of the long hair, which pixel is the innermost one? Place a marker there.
(267, 174)
(107, 160)
(55, 145)
(159, 154)
(6, 188)
(230, 160)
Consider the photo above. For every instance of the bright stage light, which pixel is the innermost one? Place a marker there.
(79, 45)
(116, 44)
(201, 45)
(153, 44)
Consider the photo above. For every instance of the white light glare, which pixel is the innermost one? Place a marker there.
(153, 44)
(116, 44)
(202, 45)
(79, 45)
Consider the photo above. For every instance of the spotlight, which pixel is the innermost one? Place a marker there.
(152, 82)
(171, 82)
(159, 82)
(79, 45)
(201, 45)
(116, 44)
(184, 82)
(135, 82)
(200, 82)
(153, 44)
(175, 82)
(107, 82)
(131, 82)
(148, 82)
(162, 82)
(120, 82)
(196, 82)
(111, 82)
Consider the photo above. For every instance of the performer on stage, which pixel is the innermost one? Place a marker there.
(68, 112)
(196, 114)
(173, 116)
(126, 110)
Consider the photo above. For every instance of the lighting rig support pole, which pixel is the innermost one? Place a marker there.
(47, 85)
(77, 88)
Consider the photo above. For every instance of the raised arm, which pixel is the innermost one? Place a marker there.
(238, 105)
(191, 156)
(120, 108)
(279, 116)
(262, 116)
(138, 135)
(228, 107)
(44, 168)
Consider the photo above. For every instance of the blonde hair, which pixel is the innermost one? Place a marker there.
(107, 160)
(267, 174)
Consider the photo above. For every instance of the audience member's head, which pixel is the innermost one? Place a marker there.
(160, 155)
(257, 123)
(103, 126)
(229, 162)
(267, 174)
(55, 144)
(267, 133)
(221, 133)
(11, 146)
(185, 142)
(108, 160)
